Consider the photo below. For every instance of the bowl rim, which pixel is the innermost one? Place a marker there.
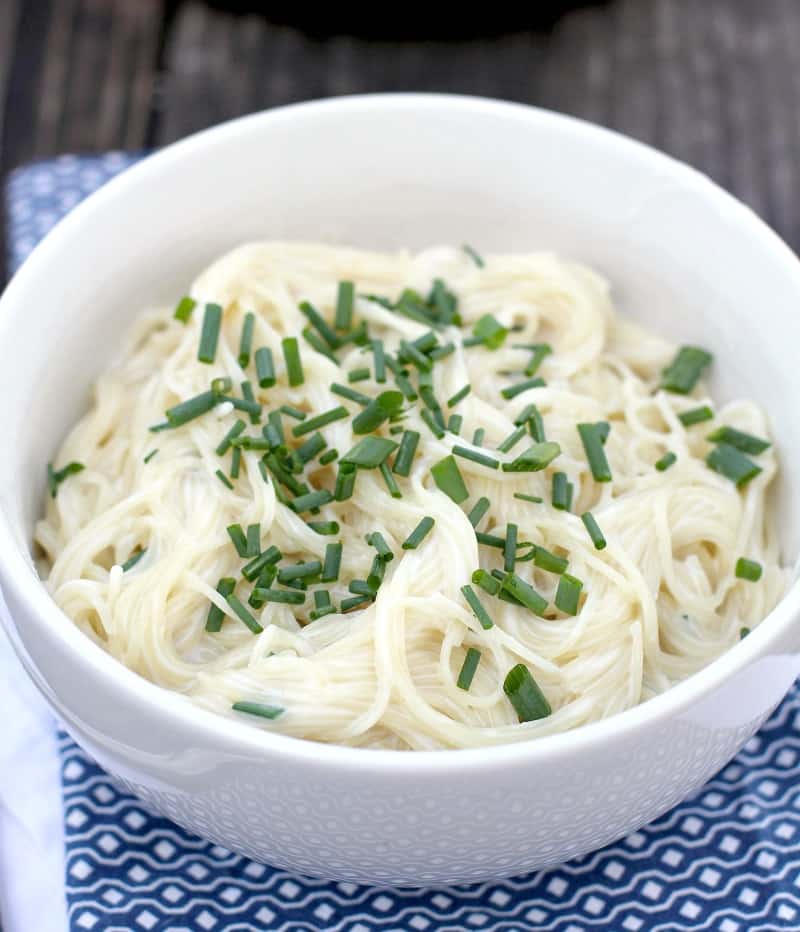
(229, 734)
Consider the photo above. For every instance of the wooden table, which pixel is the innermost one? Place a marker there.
(714, 82)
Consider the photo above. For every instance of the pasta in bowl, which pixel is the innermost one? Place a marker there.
(410, 501)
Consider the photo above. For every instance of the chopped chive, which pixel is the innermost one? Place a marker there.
(696, 416)
(743, 632)
(471, 660)
(265, 367)
(188, 410)
(512, 439)
(294, 365)
(476, 258)
(299, 571)
(350, 393)
(748, 569)
(184, 308)
(246, 339)
(479, 509)
(236, 463)
(254, 407)
(489, 331)
(411, 305)
(379, 360)
(477, 437)
(138, 553)
(523, 692)
(324, 528)
(291, 411)
(511, 391)
(251, 443)
(239, 540)
(328, 457)
(510, 547)
(483, 458)
(321, 420)
(523, 497)
(747, 443)
(316, 342)
(568, 594)
(546, 560)
(477, 607)
(730, 462)
(391, 483)
(454, 423)
(379, 409)
(460, 395)
(535, 458)
(369, 452)
(358, 375)
(223, 478)
(319, 323)
(361, 587)
(490, 540)
(271, 435)
(277, 470)
(378, 541)
(345, 482)
(409, 393)
(310, 448)
(667, 460)
(358, 335)
(265, 579)
(253, 540)
(345, 293)
(593, 529)
(209, 336)
(562, 492)
(216, 616)
(592, 441)
(311, 500)
(419, 533)
(445, 302)
(259, 709)
(524, 593)
(448, 478)
(322, 605)
(536, 425)
(682, 374)
(540, 351)
(243, 614)
(284, 596)
(405, 453)
(432, 423)
(270, 556)
(221, 385)
(410, 352)
(276, 421)
(376, 574)
(486, 581)
(355, 601)
(150, 455)
(395, 429)
(442, 352)
(331, 562)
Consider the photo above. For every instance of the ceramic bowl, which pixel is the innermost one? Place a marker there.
(386, 171)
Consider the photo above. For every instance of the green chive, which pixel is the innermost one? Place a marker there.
(350, 393)
(328, 457)
(332, 562)
(184, 308)
(345, 482)
(743, 632)
(460, 395)
(406, 452)
(270, 556)
(319, 323)
(748, 569)
(356, 601)
(369, 452)
(468, 668)
(682, 374)
(511, 391)
(188, 410)
(212, 318)
(216, 616)
(409, 352)
(405, 386)
(150, 455)
(479, 509)
(696, 416)
(221, 385)
(236, 463)
(447, 477)
(322, 605)
(592, 440)
(529, 702)
(546, 560)
(378, 541)
(310, 448)
(540, 351)
(562, 492)
(227, 440)
(223, 478)
(593, 528)
(477, 437)
(391, 483)
(490, 540)
(275, 420)
(253, 406)
(239, 540)
(243, 614)
(747, 443)
(535, 458)
(512, 439)
(441, 352)
(667, 460)
(265, 367)
(483, 458)
(358, 375)
(321, 420)
(524, 593)
(489, 331)
(138, 553)
(259, 709)
(361, 587)
(419, 534)
(730, 462)
(283, 596)
(316, 342)
(523, 497)
(253, 540)
(486, 581)
(454, 423)
(291, 411)
(344, 306)
(324, 528)
(311, 500)
(246, 339)
(411, 305)
(379, 409)
(56, 476)
(299, 571)
(477, 607)
(510, 548)
(431, 423)
(476, 258)
(568, 594)
(379, 358)
(291, 356)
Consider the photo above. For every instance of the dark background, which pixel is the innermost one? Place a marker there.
(713, 82)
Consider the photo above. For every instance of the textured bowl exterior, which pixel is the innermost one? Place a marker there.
(376, 816)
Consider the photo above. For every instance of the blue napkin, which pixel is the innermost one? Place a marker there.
(728, 859)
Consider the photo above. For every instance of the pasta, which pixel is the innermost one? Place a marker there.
(658, 602)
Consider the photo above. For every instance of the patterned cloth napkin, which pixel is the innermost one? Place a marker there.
(728, 859)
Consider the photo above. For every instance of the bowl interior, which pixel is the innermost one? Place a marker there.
(403, 171)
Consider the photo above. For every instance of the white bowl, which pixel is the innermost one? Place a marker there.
(383, 171)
